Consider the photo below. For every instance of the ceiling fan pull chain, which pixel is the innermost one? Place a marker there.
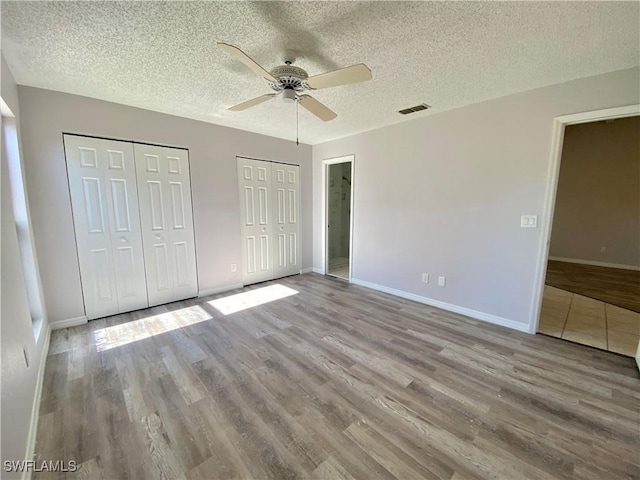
(297, 124)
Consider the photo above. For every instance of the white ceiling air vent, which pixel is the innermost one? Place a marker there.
(417, 108)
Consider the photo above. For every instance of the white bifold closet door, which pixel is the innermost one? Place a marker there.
(104, 200)
(167, 223)
(134, 227)
(269, 202)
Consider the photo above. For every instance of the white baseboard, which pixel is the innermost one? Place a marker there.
(214, 291)
(35, 409)
(486, 317)
(596, 264)
(318, 270)
(306, 270)
(69, 322)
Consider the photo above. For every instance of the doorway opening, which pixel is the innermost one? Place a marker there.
(591, 270)
(339, 225)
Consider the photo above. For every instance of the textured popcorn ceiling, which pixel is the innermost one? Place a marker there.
(163, 56)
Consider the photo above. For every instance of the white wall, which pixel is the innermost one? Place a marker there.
(19, 384)
(443, 194)
(597, 211)
(212, 153)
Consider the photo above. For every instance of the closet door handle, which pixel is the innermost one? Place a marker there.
(123, 239)
(158, 236)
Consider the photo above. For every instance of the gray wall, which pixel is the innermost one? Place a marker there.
(19, 382)
(443, 194)
(598, 199)
(212, 153)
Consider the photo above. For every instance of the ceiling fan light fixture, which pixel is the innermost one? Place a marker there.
(289, 95)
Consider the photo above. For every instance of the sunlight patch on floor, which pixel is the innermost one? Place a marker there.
(252, 298)
(125, 333)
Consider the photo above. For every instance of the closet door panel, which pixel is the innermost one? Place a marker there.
(107, 227)
(286, 192)
(180, 223)
(254, 178)
(126, 232)
(88, 202)
(167, 223)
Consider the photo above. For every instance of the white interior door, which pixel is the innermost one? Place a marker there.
(285, 180)
(254, 177)
(104, 200)
(167, 223)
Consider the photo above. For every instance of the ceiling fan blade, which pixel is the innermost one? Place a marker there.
(318, 109)
(344, 76)
(252, 103)
(244, 58)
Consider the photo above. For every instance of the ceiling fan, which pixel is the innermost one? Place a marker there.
(292, 82)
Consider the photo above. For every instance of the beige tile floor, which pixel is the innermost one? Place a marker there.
(589, 322)
(339, 267)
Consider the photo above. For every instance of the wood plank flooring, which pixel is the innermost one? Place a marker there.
(332, 382)
(610, 285)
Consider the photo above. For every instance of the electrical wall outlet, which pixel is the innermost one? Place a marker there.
(425, 278)
(234, 267)
(442, 281)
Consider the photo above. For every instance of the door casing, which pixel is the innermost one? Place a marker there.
(559, 124)
(325, 211)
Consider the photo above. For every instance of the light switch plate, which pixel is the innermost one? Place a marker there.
(528, 221)
(442, 281)
(425, 278)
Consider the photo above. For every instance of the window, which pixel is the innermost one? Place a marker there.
(11, 151)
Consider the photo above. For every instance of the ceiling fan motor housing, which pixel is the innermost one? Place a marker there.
(289, 78)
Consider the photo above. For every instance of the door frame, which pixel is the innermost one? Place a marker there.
(559, 124)
(325, 210)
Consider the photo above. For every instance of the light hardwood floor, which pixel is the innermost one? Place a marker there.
(610, 285)
(330, 380)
